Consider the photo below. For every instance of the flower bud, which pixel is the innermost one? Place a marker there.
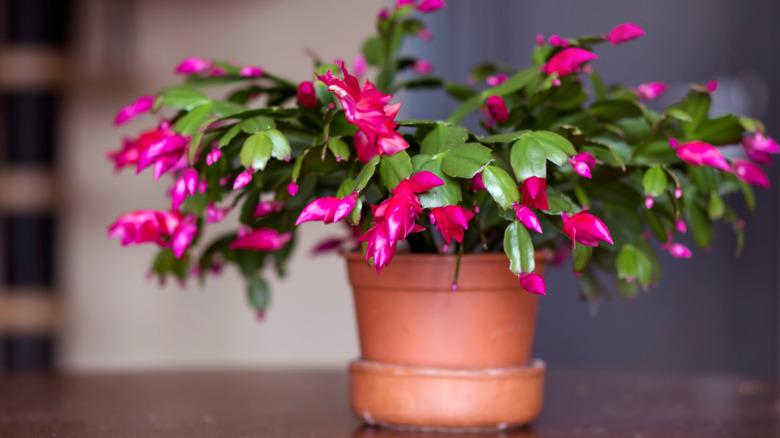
(307, 96)
(497, 108)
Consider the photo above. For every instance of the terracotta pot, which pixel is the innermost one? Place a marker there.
(443, 359)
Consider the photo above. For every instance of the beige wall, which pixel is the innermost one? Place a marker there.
(115, 318)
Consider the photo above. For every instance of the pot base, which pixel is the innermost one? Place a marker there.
(444, 399)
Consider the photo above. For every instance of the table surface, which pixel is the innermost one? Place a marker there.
(247, 404)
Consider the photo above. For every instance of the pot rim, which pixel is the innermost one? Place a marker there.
(542, 255)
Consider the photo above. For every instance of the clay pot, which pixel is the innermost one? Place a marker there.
(434, 358)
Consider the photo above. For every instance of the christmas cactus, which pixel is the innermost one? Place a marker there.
(562, 161)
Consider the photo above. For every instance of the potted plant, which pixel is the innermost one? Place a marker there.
(451, 229)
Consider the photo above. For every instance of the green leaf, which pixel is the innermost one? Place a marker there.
(503, 138)
(458, 91)
(224, 108)
(395, 168)
(465, 161)
(598, 86)
(750, 197)
(654, 181)
(501, 186)
(528, 158)
(632, 264)
(443, 138)
(558, 202)
(374, 51)
(697, 105)
(751, 124)
(582, 254)
(715, 207)
(556, 148)
(615, 109)
(257, 124)
(280, 146)
(256, 151)
(679, 114)
(184, 98)
(441, 196)
(338, 148)
(514, 83)
(258, 293)
(720, 131)
(700, 225)
(365, 174)
(192, 121)
(518, 248)
(193, 146)
(226, 137)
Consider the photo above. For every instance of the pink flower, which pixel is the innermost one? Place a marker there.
(540, 39)
(750, 173)
(243, 179)
(307, 96)
(218, 71)
(261, 239)
(680, 225)
(477, 184)
(649, 202)
(532, 283)
(568, 61)
(133, 110)
(268, 207)
(712, 86)
(650, 90)
(132, 149)
(677, 250)
(699, 153)
(402, 3)
(758, 147)
(586, 229)
(359, 65)
(583, 163)
(534, 191)
(451, 221)
(186, 184)
(213, 156)
(497, 108)
(624, 32)
(292, 188)
(165, 152)
(193, 65)
(677, 192)
(367, 109)
(527, 217)
(215, 214)
(394, 219)
(556, 40)
(384, 14)
(426, 6)
(251, 71)
(328, 210)
(496, 80)
(423, 66)
(425, 34)
(166, 229)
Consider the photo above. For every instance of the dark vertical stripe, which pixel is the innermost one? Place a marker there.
(36, 22)
(28, 250)
(28, 352)
(29, 127)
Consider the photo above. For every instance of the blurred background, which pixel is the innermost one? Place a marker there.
(71, 299)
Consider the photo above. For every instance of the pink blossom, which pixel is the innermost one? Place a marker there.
(261, 239)
(133, 110)
(394, 219)
(426, 6)
(700, 153)
(497, 108)
(423, 66)
(359, 65)
(307, 95)
(268, 207)
(165, 152)
(367, 109)
(451, 221)
(131, 150)
(677, 192)
(193, 65)
(650, 90)
(477, 184)
(243, 179)
(712, 86)
(328, 210)
(624, 32)
(527, 217)
(556, 40)
(496, 80)
(540, 39)
(758, 147)
(251, 71)
(583, 163)
(186, 184)
(166, 229)
(213, 156)
(327, 245)
(677, 250)
(384, 14)
(183, 235)
(534, 191)
(215, 214)
(292, 188)
(649, 202)
(586, 229)
(425, 34)
(680, 225)
(533, 283)
(218, 71)
(568, 61)
(402, 3)
(751, 173)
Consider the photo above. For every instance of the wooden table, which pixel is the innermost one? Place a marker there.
(314, 404)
